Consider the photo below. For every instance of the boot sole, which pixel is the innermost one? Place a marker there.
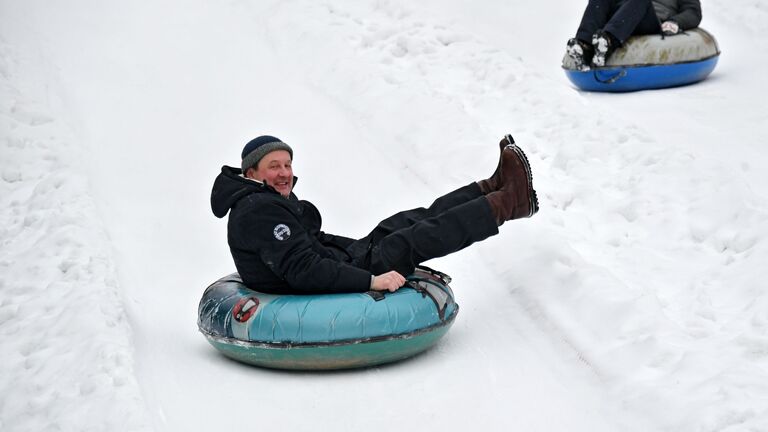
(533, 199)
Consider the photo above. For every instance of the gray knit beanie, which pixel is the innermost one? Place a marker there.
(257, 148)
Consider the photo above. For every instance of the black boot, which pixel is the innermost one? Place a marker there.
(604, 45)
(580, 52)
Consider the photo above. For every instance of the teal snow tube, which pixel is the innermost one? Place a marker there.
(326, 331)
(651, 62)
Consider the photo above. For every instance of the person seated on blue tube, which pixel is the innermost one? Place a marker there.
(607, 24)
(278, 246)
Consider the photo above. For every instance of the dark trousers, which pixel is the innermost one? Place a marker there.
(620, 18)
(406, 239)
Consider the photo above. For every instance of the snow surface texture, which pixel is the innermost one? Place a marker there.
(67, 357)
(635, 300)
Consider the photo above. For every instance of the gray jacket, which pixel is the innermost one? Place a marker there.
(686, 13)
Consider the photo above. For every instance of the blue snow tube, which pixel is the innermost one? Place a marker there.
(326, 331)
(651, 62)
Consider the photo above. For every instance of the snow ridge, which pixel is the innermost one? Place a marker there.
(67, 353)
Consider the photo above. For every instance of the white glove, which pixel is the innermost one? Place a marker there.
(670, 28)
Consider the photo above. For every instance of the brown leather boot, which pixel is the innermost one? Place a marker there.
(516, 197)
(493, 183)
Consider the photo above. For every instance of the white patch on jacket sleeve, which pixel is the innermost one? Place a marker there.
(281, 232)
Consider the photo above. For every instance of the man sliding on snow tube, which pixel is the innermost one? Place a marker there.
(607, 24)
(278, 247)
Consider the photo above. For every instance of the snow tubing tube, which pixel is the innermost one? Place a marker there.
(326, 331)
(651, 62)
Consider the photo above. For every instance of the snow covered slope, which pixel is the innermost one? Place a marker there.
(67, 356)
(635, 300)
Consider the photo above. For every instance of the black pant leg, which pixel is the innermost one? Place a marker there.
(596, 15)
(360, 250)
(407, 218)
(621, 18)
(446, 202)
(650, 23)
(436, 236)
(633, 17)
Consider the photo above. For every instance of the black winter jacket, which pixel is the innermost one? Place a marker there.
(686, 13)
(276, 242)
